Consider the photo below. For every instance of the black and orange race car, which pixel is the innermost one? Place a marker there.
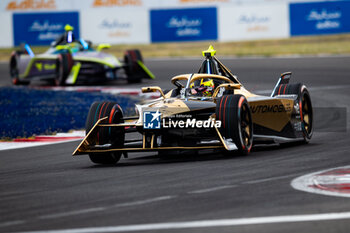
(210, 109)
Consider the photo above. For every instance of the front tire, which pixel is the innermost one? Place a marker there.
(14, 71)
(236, 121)
(106, 135)
(63, 67)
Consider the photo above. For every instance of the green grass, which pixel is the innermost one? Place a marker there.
(311, 45)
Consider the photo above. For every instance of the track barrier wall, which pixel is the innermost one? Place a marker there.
(152, 21)
(29, 111)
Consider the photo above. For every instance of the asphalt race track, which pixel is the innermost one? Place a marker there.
(45, 188)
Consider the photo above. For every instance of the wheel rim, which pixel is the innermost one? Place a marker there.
(306, 115)
(246, 127)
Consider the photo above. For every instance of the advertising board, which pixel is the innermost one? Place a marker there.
(42, 28)
(190, 24)
(78, 5)
(253, 22)
(190, 3)
(115, 26)
(35, 5)
(318, 18)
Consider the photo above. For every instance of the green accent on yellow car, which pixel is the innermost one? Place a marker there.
(73, 75)
(150, 74)
(39, 66)
(103, 46)
(210, 51)
(49, 66)
(26, 72)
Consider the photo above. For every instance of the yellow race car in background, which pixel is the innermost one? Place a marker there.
(76, 63)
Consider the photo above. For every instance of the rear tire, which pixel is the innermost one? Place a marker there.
(63, 67)
(236, 121)
(14, 71)
(133, 69)
(306, 113)
(106, 135)
(304, 103)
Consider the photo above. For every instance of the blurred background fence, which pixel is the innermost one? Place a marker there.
(39, 22)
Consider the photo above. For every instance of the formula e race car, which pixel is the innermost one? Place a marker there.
(206, 110)
(75, 63)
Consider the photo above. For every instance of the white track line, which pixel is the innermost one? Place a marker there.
(212, 189)
(143, 202)
(77, 212)
(98, 209)
(20, 145)
(269, 179)
(207, 223)
(11, 223)
(17, 145)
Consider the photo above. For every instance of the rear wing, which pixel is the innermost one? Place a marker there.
(284, 79)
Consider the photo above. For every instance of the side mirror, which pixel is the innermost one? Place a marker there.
(103, 46)
(153, 89)
(285, 77)
(227, 86)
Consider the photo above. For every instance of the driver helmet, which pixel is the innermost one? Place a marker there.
(69, 33)
(204, 86)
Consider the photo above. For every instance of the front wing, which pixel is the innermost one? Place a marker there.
(88, 144)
